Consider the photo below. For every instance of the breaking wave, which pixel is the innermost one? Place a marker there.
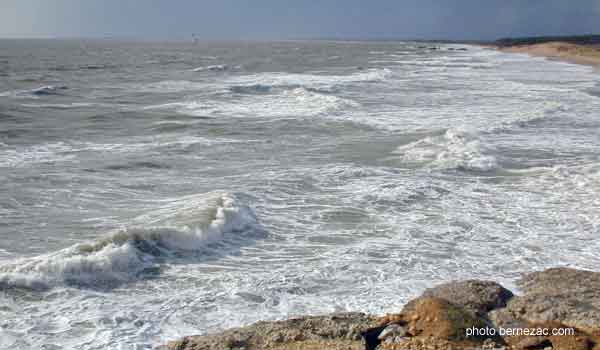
(312, 82)
(455, 149)
(287, 103)
(184, 227)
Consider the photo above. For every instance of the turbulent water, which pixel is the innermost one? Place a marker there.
(154, 190)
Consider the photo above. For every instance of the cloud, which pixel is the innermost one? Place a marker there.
(470, 19)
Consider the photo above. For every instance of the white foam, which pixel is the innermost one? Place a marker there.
(183, 225)
(319, 82)
(52, 152)
(60, 105)
(355, 237)
(455, 149)
(47, 90)
(70, 150)
(298, 102)
(212, 68)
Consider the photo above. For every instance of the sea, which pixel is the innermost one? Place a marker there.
(153, 190)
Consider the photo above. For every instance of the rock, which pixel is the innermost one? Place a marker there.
(554, 299)
(533, 343)
(477, 296)
(440, 319)
(432, 323)
(561, 279)
(337, 331)
(437, 344)
(394, 340)
(575, 341)
(568, 296)
(502, 318)
(392, 331)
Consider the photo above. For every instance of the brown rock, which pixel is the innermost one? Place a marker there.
(552, 299)
(474, 295)
(564, 295)
(335, 332)
(440, 319)
(533, 343)
(576, 341)
(434, 323)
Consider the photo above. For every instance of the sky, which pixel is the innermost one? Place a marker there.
(298, 19)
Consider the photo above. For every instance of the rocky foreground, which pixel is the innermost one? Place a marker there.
(559, 309)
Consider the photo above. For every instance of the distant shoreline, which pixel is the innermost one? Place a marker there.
(561, 51)
(583, 50)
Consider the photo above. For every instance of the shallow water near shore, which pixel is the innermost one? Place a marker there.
(155, 190)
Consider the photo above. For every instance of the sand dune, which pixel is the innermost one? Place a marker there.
(575, 53)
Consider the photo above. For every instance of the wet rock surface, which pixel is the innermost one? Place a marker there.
(562, 301)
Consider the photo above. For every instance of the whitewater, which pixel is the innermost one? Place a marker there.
(150, 191)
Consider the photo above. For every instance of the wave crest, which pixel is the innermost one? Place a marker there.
(295, 102)
(186, 226)
(311, 82)
(455, 149)
(212, 68)
(47, 90)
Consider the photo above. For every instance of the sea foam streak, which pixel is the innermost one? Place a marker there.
(185, 226)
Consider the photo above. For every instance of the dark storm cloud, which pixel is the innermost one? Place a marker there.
(461, 19)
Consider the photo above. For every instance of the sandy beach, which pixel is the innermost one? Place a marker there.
(563, 51)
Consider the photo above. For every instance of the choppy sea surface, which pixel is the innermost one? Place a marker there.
(154, 190)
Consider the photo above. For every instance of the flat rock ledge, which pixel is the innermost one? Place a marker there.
(559, 309)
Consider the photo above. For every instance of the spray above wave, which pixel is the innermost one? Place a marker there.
(455, 149)
(183, 227)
